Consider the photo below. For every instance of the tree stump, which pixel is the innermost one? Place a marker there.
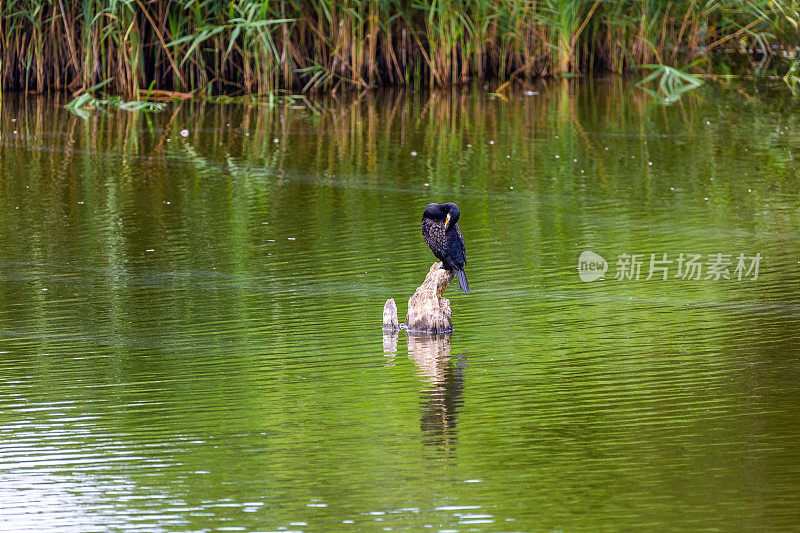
(428, 311)
(390, 316)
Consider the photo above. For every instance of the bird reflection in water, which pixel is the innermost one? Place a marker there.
(442, 396)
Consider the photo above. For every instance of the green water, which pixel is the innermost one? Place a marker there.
(190, 325)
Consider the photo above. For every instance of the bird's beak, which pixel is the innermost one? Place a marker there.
(447, 222)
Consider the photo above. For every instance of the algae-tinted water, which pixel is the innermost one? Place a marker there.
(190, 323)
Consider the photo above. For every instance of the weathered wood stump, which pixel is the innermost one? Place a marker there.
(391, 329)
(428, 311)
(390, 316)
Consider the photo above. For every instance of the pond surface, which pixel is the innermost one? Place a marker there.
(190, 322)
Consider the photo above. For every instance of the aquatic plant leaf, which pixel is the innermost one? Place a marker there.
(672, 83)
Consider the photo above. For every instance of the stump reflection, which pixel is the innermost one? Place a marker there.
(441, 400)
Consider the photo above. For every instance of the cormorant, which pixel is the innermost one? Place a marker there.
(443, 237)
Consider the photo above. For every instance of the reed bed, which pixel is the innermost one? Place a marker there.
(252, 47)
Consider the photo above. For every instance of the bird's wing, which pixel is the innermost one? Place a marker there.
(434, 237)
(426, 232)
(461, 251)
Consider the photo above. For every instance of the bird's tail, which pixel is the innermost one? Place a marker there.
(462, 281)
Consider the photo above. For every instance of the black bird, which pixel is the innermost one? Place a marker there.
(443, 237)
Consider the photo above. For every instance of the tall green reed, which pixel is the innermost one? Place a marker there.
(259, 46)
